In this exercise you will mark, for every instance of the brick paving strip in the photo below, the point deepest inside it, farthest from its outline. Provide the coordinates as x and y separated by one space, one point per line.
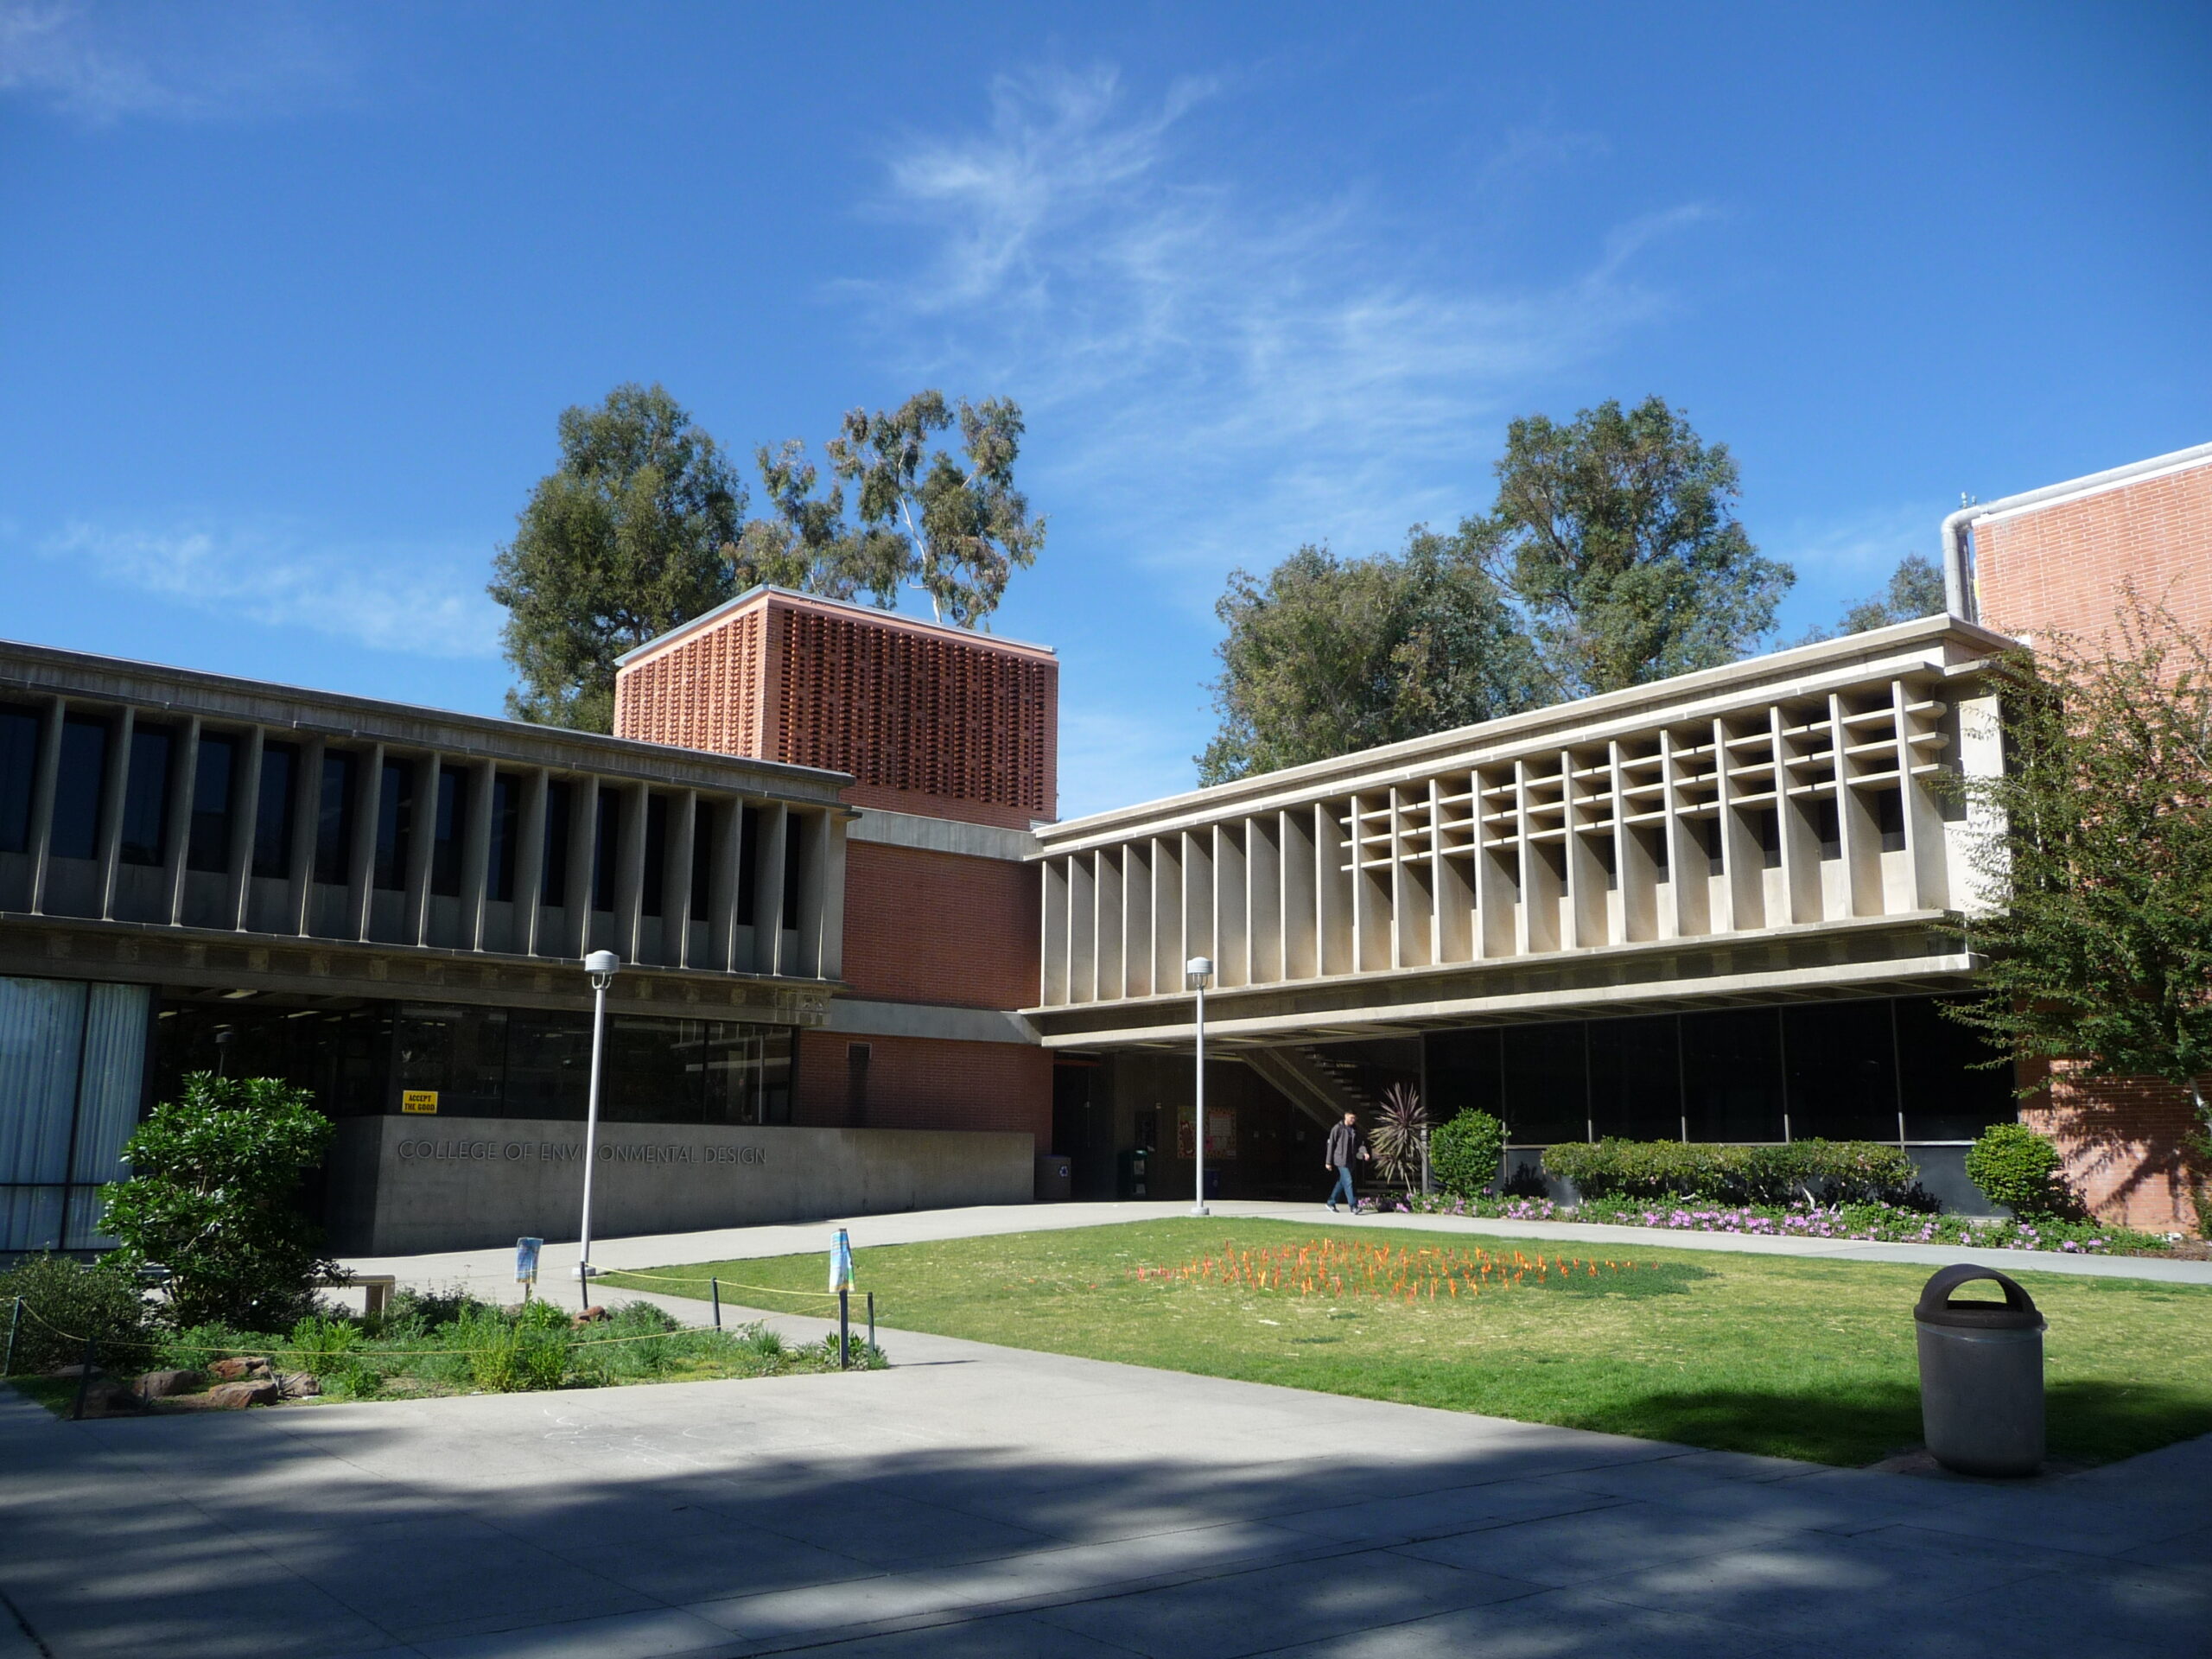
978 1500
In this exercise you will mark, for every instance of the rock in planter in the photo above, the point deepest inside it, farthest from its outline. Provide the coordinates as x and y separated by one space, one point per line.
254 1391
298 1385
108 1398
160 1385
230 1371
590 1316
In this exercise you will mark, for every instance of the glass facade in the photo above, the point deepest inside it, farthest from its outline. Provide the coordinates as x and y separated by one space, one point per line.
1874 1069
357 1058
73 1061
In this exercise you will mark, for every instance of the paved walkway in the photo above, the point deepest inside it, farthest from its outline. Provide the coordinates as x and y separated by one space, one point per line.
982 1501
491 1273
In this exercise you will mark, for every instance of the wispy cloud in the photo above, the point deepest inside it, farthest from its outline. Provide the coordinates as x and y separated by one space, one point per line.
406 599
1842 561
1229 378
118 61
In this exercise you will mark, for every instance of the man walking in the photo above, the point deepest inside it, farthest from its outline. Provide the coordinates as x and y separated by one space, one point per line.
1345 1146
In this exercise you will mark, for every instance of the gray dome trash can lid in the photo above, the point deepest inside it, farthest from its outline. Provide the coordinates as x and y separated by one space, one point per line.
2017 1311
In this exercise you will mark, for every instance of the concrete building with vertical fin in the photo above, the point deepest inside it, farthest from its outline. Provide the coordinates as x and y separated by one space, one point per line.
866 968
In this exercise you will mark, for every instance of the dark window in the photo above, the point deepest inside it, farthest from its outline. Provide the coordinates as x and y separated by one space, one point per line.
395 823
748 878
1547 1085
18 777
1463 1074
792 840
656 855
605 849
506 827
77 788
450 832
1655 847
212 771
702 860
146 796
1732 1074
1889 820
334 825
1840 1060
1827 829
856 1059
273 809
1636 1089
1770 833
553 880
1949 1090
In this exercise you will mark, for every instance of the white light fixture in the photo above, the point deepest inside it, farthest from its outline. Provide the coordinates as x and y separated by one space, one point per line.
600 965
1196 973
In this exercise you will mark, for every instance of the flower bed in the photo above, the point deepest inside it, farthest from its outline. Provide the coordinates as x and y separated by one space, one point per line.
1881 1223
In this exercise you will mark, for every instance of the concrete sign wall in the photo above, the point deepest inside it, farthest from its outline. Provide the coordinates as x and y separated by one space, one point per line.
403 1185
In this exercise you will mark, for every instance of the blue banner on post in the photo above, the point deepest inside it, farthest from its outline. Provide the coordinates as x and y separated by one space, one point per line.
841 1263
526 1251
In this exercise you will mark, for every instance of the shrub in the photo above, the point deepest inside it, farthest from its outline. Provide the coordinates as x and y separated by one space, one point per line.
1465 1154
1822 1172
1399 1126
65 1301
215 1197
2021 1170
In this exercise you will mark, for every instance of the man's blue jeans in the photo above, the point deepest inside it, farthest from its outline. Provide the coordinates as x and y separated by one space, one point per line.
1343 1188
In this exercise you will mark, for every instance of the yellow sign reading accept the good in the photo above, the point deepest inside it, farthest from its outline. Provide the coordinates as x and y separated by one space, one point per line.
418 1100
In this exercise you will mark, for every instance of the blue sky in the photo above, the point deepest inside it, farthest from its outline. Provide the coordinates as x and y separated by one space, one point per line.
291 296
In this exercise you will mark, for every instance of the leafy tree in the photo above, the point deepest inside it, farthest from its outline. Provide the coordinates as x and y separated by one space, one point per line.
808 545
1617 535
1916 589
956 529
1330 655
634 533
66 1301
215 1197
2097 872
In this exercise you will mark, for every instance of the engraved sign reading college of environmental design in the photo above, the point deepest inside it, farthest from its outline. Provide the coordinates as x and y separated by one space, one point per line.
562 1151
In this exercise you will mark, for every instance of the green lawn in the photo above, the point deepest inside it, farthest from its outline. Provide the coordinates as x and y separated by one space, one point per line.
1794 1357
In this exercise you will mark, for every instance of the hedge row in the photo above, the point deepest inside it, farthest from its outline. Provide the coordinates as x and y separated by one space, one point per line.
1829 1171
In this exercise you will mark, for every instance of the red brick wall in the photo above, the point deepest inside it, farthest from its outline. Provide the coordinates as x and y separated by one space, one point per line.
928 719
2122 1138
2060 567
936 927
921 1084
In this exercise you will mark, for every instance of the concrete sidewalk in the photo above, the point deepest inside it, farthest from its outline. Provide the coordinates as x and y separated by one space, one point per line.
490 1273
980 1501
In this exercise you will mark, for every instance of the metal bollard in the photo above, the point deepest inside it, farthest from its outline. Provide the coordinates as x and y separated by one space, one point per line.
1982 1395
844 1329
717 1287
871 1319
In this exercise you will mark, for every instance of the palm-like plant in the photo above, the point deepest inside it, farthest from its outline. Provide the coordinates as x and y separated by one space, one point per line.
1400 1127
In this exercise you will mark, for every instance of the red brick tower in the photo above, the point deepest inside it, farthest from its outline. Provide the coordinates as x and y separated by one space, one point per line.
951 739
2055 559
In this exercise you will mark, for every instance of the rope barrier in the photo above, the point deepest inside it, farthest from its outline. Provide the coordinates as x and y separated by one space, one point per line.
710 1279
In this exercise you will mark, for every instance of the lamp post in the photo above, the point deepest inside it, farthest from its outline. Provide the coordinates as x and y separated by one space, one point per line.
600 965
1196 972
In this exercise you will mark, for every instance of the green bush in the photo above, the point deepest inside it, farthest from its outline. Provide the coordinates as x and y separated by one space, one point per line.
2021 1170
1827 1172
1465 1154
215 1197
64 1301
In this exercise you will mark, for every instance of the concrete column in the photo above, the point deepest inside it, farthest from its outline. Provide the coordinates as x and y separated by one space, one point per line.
475 853
1083 925
732 858
114 782
1800 848
630 876
1337 941
176 834
583 835
530 860
1052 934
830 962
245 811
675 886
307 820
813 888
361 864
422 839
50 770
1856 825
1925 842
1300 896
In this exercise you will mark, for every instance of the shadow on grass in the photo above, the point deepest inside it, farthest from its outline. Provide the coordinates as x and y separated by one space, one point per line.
1861 1423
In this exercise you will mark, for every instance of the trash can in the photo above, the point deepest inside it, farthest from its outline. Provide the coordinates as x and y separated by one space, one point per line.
1055 1178
1981 1375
